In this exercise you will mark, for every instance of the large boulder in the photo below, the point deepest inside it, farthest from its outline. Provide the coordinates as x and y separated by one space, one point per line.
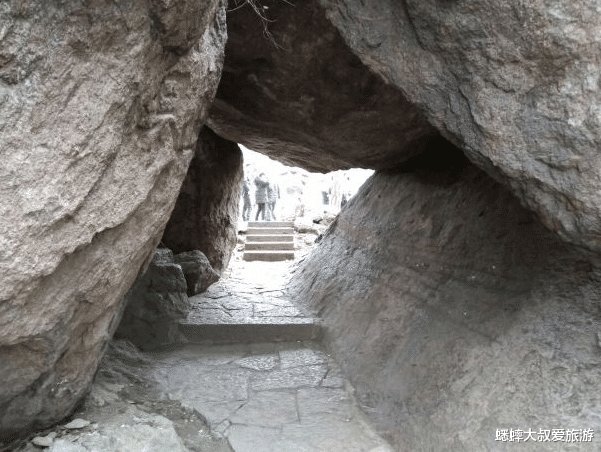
291 88
454 311
101 108
206 212
515 85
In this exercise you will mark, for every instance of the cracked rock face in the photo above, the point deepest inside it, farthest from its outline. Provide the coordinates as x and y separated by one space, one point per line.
205 217
301 96
460 313
516 86
100 111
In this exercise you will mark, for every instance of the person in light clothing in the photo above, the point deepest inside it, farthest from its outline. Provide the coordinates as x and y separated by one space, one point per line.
273 194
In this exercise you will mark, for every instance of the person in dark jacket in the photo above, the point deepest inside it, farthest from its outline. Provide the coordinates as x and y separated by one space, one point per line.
247 207
273 194
261 198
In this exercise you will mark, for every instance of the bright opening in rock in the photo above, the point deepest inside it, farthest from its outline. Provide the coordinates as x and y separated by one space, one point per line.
452 304
302 195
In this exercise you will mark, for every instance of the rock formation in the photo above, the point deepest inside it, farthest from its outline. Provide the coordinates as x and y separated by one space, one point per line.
516 86
101 109
296 92
454 311
155 303
197 270
206 213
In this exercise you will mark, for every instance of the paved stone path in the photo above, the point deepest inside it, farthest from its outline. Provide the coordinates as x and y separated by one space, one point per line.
268 397
248 304
276 396
250 396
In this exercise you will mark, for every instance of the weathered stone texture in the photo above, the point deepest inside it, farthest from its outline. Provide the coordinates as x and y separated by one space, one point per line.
301 96
155 304
101 105
198 271
514 84
454 311
206 213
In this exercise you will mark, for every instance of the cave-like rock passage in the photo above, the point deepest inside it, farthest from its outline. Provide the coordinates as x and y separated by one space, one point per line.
452 309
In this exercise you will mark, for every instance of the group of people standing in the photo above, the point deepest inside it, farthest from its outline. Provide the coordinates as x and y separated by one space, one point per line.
266 195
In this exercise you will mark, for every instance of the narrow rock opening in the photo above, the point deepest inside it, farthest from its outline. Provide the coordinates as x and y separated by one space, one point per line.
240 351
456 296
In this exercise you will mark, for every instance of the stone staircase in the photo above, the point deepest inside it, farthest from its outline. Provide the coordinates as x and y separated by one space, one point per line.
269 241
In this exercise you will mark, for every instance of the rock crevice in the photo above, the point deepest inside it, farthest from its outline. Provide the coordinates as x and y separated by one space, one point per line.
205 216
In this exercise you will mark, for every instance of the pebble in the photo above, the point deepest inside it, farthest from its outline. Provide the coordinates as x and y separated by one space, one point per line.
77 424
43 441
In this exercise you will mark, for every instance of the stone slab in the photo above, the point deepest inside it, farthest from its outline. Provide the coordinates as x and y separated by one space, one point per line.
283 406
268 256
268 329
268 246
270 224
296 377
255 237
270 230
268 409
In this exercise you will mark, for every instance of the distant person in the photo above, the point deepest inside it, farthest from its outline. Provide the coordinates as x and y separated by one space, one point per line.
273 194
261 198
343 201
247 208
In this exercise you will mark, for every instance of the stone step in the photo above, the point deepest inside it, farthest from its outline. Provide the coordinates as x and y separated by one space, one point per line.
270 238
268 231
271 224
268 256
266 246
276 329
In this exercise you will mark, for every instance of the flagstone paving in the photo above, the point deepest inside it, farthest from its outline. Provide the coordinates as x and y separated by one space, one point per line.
267 397
284 395
248 305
